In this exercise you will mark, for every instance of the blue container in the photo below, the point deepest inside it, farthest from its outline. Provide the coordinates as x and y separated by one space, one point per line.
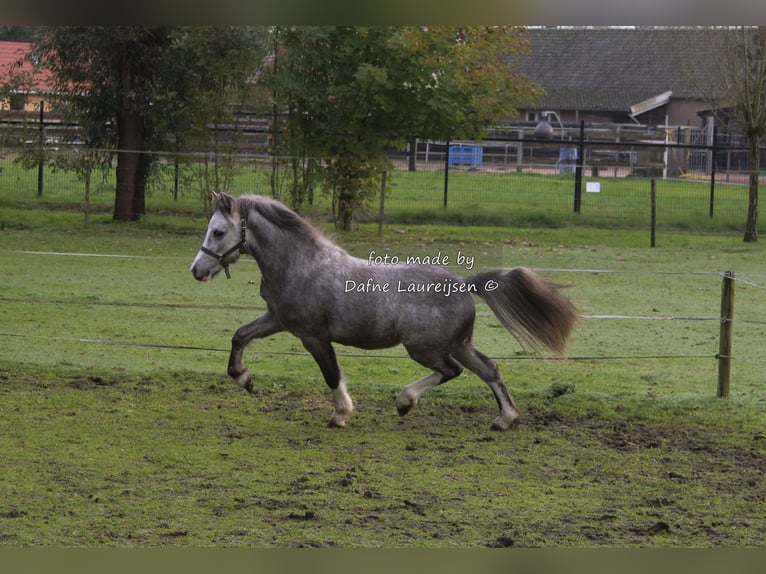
567 159
471 155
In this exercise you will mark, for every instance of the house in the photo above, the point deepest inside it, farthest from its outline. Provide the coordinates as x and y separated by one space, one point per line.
615 75
22 85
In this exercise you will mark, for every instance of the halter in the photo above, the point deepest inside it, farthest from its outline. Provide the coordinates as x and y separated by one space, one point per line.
241 246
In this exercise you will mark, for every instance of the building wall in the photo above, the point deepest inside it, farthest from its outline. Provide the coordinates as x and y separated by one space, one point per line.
686 113
678 112
25 102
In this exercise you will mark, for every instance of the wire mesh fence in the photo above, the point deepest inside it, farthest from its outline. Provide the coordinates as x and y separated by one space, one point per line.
502 182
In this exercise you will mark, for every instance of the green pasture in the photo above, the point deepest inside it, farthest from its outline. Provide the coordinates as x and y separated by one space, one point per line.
121 428
494 198
523 199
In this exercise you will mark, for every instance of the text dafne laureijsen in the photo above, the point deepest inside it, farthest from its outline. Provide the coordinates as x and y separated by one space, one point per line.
445 287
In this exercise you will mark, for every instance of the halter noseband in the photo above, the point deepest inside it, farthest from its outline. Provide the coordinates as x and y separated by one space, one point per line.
241 246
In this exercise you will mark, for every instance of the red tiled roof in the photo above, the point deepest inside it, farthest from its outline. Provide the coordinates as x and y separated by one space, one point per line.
13 62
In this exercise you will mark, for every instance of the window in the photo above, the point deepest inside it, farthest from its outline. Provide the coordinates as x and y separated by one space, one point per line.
17 102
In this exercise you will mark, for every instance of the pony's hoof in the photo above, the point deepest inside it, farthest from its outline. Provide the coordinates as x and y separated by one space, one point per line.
503 424
403 410
336 424
404 405
245 381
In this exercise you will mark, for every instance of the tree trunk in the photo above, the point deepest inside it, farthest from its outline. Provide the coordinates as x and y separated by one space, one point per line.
127 162
345 212
346 186
412 154
751 226
130 142
139 195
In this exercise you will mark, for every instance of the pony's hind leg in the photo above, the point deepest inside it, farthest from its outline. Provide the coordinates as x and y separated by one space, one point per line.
324 355
263 326
444 369
475 361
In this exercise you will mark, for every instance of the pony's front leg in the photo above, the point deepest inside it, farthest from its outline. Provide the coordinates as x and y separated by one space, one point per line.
262 327
324 355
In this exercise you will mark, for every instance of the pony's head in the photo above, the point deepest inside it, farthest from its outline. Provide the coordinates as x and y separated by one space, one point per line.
224 240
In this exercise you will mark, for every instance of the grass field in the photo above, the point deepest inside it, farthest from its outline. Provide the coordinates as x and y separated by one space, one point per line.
121 427
497 198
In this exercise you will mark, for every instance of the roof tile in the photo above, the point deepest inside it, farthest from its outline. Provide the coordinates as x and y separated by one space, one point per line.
611 69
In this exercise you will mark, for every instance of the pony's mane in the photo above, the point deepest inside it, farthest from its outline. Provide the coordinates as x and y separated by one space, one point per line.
283 218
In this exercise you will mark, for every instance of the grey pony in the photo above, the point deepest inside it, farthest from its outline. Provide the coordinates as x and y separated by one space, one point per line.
322 295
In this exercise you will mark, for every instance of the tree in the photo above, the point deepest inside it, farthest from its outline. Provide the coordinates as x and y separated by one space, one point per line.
347 91
17 33
745 86
134 87
735 85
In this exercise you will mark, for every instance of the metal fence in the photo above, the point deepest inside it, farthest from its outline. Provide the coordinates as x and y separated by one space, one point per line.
586 175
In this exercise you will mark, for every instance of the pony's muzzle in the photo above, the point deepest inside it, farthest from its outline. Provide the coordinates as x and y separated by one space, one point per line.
207 276
201 271
198 276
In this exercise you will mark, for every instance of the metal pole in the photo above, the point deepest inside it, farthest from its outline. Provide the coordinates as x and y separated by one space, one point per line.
578 168
446 172
712 171
654 212
41 143
382 201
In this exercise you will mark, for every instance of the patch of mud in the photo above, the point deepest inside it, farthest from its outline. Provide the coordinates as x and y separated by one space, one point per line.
688 459
90 383
634 437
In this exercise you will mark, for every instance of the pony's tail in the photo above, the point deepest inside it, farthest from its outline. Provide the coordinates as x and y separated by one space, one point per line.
531 308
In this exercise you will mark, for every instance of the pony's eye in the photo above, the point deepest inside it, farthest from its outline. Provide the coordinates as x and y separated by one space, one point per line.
217 233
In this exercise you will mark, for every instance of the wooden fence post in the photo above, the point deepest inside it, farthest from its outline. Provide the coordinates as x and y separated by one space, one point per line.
725 341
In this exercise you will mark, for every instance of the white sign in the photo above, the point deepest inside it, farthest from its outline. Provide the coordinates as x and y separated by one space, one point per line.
593 186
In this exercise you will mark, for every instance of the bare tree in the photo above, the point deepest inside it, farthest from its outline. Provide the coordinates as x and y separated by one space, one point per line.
735 86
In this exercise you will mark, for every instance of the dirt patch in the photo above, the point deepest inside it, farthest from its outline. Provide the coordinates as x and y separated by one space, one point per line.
90 383
694 468
631 437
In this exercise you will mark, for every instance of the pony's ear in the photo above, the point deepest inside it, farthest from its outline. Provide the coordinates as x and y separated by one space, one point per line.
225 202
